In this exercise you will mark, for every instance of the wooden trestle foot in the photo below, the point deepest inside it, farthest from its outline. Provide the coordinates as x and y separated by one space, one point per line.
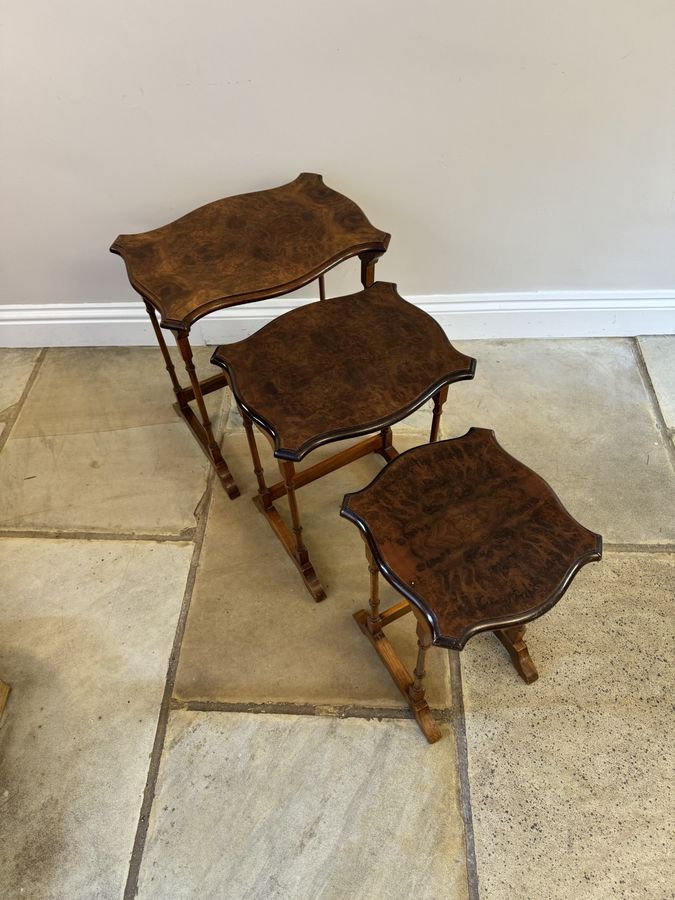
399 673
513 640
226 480
291 538
210 450
286 537
371 624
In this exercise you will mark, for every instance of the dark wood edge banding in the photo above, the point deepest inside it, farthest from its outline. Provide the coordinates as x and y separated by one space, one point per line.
498 622
328 437
340 434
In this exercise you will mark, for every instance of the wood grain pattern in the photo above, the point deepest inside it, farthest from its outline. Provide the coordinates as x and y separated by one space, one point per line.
472 537
340 368
248 247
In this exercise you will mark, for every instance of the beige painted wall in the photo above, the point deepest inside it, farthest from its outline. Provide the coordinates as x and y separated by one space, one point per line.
508 145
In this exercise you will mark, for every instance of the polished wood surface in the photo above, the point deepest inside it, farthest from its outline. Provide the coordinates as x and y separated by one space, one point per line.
329 370
248 247
472 537
340 368
238 250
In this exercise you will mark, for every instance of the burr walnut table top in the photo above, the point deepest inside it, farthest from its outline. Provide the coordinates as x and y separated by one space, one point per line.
340 368
245 248
470 536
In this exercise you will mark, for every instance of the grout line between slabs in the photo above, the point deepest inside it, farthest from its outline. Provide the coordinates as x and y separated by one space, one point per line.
339 711
189 534
131 887
609 547
18 407
463 769
185 536
658 413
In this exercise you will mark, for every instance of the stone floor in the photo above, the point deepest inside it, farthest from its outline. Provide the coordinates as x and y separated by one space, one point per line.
185 722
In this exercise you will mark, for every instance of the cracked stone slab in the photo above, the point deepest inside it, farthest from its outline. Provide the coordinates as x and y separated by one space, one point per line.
86 629
294 807
659 356
138 480
578 413
571 777
80 390
253 632
98 447
16 366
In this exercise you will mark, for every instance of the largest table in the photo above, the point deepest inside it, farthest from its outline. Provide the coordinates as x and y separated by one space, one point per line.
238 250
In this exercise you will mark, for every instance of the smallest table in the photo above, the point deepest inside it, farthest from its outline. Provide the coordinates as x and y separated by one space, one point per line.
474 541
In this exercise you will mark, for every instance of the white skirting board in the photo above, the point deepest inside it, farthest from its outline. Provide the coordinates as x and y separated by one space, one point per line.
542 314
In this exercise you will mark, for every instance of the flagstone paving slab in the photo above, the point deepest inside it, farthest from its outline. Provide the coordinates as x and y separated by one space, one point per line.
86 629
292 807
253 632
571 777
98 447
659 356
578 413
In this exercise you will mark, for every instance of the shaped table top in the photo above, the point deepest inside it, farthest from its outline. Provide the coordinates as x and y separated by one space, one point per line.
245 248
339 368
470 536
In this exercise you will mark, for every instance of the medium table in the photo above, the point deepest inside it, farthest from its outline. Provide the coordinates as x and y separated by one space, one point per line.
474 541
334 369
239 250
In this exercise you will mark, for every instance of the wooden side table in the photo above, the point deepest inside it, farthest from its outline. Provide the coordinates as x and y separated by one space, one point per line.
339 368
474 541
239 250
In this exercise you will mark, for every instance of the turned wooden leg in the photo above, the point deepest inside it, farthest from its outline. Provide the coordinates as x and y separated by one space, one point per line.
186 352
168 362
263 490
322 288
418 703
513 640
411 686
387 450
368 261
423 644
288 473
374 618
206 438
439 399
297 550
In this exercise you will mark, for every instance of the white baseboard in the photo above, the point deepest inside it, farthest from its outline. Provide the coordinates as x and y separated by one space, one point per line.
463 316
